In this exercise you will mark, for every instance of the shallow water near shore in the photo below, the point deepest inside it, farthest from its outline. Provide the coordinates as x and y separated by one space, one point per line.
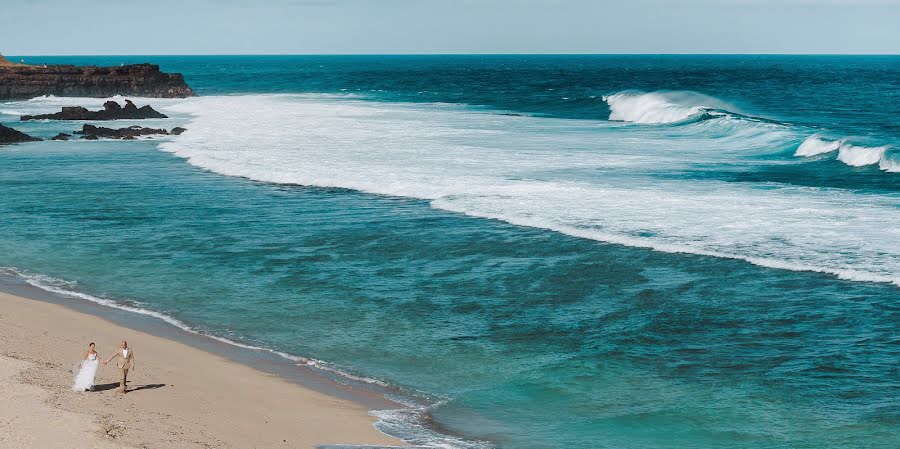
537 275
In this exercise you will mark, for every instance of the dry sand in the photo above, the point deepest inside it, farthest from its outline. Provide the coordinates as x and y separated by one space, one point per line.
182 397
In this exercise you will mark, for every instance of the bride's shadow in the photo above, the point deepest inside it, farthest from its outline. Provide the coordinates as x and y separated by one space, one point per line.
114 385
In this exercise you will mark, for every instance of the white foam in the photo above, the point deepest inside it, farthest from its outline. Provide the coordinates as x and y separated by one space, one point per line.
848 153
815 145
848 274
407 424
53 100
661 106
51 104
889 164
578 177
860 156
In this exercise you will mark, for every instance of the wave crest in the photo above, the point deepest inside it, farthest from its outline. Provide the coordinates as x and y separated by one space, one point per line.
461 163
848 153
860 156
889 164
661 107
815 145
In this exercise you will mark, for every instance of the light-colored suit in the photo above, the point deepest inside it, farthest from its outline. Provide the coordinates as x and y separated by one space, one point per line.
124 363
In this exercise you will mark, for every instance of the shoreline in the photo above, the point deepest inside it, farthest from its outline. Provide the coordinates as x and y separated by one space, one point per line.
307 373
188 387
469 245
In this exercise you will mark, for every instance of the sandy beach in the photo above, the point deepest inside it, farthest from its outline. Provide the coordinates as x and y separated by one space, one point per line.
180 396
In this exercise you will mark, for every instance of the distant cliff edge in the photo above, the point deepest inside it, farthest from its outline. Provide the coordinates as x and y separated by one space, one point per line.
20 81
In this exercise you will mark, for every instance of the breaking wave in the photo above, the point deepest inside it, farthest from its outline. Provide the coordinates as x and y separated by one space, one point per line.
519 170
890 164
848 153
860 156
663 107
815 145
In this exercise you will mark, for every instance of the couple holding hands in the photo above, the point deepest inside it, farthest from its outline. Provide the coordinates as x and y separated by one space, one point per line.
86 370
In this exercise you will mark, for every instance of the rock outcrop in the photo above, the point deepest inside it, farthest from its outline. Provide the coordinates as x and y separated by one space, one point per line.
9 135
111 111
92 132
21 81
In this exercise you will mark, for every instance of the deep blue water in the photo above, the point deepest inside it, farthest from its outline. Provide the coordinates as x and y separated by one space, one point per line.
550 251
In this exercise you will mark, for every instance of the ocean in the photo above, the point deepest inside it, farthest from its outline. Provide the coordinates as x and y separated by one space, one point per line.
529 251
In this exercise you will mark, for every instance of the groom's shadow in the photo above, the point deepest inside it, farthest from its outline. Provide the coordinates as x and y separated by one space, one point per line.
146 387
114 385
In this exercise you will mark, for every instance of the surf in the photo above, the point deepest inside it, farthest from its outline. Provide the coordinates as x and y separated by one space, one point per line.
850 154
665 107
518 170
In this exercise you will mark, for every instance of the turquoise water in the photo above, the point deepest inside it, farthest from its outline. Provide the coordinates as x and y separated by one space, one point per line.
478 233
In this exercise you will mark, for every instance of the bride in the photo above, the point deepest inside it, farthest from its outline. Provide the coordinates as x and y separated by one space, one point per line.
86 370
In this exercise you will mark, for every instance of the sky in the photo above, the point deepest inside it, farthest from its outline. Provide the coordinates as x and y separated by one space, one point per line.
159 27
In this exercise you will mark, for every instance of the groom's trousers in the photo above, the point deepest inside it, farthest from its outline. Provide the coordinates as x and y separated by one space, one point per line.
124 379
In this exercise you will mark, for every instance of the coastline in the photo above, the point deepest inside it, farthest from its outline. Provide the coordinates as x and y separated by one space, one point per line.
186 395
263 226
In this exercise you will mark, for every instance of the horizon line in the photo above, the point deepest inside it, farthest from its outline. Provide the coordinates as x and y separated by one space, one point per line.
449 54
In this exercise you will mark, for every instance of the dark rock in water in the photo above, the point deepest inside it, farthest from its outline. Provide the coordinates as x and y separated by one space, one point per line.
9 135
21 81
61 136
176 131
130 133
111 111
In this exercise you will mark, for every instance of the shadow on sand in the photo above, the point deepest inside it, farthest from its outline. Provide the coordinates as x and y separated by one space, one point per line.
114 385
104 387
146 387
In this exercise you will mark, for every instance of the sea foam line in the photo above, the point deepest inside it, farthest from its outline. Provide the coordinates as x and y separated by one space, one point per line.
455 160
64 288
846 274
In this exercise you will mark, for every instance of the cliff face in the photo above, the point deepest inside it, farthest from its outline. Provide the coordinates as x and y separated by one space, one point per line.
19 82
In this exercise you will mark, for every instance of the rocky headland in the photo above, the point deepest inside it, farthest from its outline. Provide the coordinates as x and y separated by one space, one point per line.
22 81
111 111
9 135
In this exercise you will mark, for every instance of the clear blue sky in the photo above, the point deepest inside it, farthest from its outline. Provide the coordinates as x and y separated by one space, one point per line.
50 27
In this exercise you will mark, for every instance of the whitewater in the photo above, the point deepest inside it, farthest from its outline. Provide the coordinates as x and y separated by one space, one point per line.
637 179
666 251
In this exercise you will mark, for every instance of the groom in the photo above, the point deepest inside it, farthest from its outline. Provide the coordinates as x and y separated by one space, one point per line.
125 363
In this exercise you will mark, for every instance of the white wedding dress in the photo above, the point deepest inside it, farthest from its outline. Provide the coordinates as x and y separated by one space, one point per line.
85 373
